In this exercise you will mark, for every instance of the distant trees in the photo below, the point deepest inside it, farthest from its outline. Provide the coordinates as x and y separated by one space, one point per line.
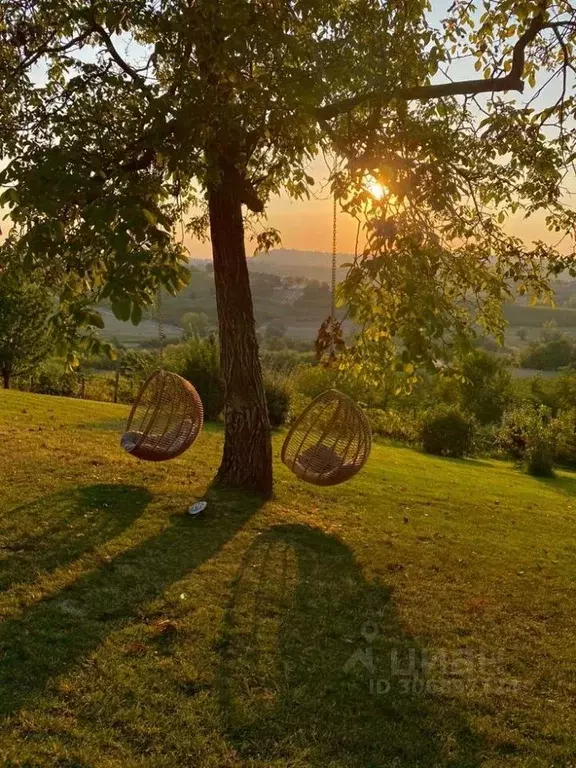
549 355
276 329
195 324
555 350
25 333
486 391
263 284
315 295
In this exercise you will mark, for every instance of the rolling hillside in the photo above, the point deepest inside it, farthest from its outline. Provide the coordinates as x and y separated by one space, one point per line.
421 615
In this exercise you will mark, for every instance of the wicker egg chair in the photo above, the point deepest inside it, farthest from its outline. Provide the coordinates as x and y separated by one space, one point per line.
165 420
330 442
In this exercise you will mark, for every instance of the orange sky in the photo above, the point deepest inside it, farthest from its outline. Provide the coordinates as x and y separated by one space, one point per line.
307 226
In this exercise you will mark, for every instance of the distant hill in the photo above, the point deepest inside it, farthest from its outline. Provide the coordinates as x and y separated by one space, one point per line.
287 262
313 265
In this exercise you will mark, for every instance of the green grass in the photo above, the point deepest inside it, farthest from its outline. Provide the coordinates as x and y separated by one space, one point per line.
133 635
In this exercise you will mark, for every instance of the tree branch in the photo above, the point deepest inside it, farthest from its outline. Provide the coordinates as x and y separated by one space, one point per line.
510 82
124 66
46 50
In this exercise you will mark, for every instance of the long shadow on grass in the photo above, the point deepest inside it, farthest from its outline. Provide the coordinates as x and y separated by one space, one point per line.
55 530
560 483
59 632
316 666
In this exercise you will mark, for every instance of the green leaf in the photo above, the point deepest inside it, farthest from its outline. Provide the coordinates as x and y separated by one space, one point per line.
122 309
150 217
95 319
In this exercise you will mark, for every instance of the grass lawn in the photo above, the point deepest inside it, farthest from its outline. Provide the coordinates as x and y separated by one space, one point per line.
421 615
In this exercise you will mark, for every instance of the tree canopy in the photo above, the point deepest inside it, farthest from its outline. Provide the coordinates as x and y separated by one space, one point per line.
25 334
120 117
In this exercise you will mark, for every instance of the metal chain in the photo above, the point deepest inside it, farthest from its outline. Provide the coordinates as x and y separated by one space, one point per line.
333 303
161 333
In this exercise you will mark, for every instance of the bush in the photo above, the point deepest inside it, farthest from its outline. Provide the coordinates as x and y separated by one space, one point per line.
486 441
487 389
311 380
402 427
277 389
448 432
528 435
513 434
549 355
283 361
198 361
564 428
137 364
53 378
558 393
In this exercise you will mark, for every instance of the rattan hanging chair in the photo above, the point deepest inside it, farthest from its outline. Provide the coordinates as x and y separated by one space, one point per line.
330 442
165 420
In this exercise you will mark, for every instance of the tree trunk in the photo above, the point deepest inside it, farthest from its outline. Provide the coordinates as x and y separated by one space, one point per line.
247 458
6 379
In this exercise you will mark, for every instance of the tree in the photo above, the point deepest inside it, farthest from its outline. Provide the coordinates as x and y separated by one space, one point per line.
276 329
195 324
25 333
486 391
219 105
549 355
263 285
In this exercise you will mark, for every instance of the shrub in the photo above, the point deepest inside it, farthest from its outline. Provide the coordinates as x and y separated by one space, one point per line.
101 387
513 434
528 435
402 427
564 428
311 380
198 361
448 432
137 364
486 441
549 355
53 378
284 361
277 389
558 393
487 389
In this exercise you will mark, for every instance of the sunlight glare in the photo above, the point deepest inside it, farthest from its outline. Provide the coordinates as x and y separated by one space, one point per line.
376 189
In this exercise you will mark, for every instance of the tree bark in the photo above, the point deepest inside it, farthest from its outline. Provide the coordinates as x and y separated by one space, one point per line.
247 458
6 379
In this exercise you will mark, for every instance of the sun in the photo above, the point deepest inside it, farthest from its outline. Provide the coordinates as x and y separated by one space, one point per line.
376 189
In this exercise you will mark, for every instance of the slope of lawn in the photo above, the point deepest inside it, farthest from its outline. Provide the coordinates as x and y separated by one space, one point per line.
421 615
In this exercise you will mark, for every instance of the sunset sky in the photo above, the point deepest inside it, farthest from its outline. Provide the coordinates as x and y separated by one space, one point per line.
306 225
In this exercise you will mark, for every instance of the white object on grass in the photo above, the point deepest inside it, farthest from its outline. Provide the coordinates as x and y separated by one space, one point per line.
195 509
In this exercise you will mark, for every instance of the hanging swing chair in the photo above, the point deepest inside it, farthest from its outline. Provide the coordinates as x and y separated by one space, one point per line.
166 417
330 442
165 420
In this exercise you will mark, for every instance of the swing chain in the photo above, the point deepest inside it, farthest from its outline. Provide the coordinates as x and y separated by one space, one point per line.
333 289
161 331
